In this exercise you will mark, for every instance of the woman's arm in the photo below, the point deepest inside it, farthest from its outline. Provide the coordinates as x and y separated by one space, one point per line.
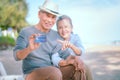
68 44
75 49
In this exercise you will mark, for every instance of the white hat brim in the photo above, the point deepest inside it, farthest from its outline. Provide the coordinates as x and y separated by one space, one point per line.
49 11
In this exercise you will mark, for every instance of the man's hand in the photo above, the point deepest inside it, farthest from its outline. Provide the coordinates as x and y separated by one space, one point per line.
22 54
32 44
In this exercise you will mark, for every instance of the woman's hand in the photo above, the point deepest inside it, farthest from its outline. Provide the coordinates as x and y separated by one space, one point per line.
65 44
80 64
70 60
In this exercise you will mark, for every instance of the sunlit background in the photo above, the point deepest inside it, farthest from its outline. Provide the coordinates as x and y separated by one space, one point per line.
96 21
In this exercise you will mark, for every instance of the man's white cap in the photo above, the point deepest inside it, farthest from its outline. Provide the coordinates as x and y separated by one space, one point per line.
50 7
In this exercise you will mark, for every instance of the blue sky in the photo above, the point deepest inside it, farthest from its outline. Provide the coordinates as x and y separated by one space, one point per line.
96 21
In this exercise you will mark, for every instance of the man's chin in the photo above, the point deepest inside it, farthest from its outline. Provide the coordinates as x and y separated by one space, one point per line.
48 28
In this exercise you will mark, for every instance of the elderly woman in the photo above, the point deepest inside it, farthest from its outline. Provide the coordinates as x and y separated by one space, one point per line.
72 42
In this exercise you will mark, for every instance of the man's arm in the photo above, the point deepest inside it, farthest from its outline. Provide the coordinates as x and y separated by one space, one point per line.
23 53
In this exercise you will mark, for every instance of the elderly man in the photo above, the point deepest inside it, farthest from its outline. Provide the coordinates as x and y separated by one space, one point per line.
37 63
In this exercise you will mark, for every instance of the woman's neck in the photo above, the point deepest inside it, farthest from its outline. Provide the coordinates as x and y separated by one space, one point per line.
67 38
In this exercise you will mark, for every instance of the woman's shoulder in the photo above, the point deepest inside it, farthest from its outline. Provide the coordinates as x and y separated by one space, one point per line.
74 36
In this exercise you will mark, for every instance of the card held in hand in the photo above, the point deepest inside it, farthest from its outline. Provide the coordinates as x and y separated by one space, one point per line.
41 38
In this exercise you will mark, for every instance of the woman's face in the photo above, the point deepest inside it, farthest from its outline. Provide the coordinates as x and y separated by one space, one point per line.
64 28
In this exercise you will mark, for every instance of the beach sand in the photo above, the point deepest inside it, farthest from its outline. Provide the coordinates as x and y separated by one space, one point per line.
102 59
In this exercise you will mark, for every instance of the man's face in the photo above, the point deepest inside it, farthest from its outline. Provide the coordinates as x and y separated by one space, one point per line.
64 28
47 20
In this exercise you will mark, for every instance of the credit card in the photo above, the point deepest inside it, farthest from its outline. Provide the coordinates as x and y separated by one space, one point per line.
41 38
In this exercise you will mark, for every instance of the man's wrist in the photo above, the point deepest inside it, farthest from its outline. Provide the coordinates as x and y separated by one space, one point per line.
29 49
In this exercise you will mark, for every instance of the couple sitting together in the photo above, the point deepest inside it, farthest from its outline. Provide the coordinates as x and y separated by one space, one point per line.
58 58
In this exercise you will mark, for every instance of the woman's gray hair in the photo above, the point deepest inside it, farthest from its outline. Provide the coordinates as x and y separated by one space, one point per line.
64 17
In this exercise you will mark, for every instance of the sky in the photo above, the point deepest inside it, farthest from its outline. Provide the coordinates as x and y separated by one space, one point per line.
95 21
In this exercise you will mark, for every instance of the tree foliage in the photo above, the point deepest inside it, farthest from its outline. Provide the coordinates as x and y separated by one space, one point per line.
13 13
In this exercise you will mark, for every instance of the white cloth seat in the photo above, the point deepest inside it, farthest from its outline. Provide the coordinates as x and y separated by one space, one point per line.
2 70
4 76
12 77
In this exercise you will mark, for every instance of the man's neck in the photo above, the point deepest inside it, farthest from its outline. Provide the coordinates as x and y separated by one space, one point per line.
40 28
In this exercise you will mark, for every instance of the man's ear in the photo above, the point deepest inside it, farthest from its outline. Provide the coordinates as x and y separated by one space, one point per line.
39 13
